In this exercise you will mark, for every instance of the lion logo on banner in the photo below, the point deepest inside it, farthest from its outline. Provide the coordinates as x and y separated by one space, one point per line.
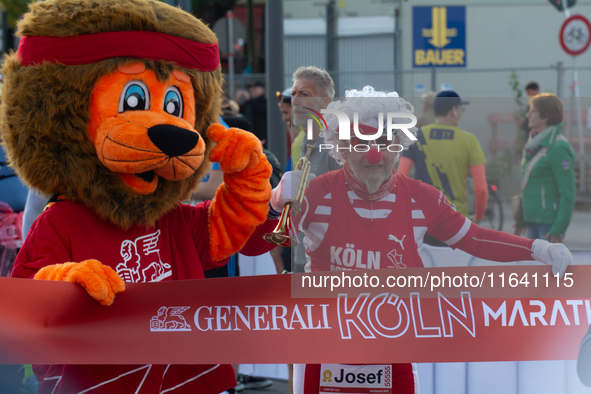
170 319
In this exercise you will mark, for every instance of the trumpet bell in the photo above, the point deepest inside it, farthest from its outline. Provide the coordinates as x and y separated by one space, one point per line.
279 239
280 235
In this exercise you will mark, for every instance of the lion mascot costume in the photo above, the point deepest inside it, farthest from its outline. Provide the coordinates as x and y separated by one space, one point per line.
111 106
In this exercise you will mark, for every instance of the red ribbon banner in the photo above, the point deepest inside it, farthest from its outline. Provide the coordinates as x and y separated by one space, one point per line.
219 321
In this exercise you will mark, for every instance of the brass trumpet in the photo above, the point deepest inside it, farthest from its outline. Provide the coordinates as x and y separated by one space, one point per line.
280 235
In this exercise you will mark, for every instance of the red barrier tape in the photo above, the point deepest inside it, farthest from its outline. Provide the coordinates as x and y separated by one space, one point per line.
255 320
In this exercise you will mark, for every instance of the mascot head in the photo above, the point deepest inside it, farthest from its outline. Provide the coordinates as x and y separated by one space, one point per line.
107 102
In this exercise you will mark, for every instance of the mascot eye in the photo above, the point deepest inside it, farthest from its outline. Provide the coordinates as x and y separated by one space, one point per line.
173 102
135 97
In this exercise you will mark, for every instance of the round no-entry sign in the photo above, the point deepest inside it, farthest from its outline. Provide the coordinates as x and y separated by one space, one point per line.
575 35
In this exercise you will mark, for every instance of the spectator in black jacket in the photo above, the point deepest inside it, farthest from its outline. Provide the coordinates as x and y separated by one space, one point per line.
255 111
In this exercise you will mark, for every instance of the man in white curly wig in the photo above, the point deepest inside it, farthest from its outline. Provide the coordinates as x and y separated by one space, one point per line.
370 161
365 216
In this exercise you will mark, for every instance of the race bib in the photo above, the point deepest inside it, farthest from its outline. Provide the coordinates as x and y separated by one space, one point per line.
355 379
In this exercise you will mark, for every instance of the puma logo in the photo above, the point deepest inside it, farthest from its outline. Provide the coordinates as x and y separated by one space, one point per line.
393 238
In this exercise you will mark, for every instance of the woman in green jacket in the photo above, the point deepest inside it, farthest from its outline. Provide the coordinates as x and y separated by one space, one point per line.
547 173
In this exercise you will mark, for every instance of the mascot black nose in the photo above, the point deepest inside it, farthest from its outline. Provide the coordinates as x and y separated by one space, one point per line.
173 140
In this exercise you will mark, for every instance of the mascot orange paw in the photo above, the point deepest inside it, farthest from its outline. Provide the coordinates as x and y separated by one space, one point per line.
236 149
244 196
100 281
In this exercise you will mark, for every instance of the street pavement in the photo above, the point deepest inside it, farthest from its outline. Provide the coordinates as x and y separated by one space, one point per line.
279 386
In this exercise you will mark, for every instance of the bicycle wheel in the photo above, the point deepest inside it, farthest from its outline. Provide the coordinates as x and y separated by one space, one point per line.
493 216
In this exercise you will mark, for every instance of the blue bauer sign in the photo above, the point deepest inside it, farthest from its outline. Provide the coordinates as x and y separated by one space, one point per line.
439 36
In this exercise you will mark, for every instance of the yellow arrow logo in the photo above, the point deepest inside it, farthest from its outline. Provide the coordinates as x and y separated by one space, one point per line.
439 32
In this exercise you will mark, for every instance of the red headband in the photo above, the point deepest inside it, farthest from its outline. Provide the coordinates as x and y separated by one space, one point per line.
91 48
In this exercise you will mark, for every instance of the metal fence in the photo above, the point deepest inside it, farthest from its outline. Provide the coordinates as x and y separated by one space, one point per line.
369 60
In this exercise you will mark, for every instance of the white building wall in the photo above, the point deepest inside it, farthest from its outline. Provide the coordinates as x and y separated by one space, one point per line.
499 35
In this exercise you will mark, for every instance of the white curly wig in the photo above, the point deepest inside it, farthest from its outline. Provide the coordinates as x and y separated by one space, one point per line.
368 103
